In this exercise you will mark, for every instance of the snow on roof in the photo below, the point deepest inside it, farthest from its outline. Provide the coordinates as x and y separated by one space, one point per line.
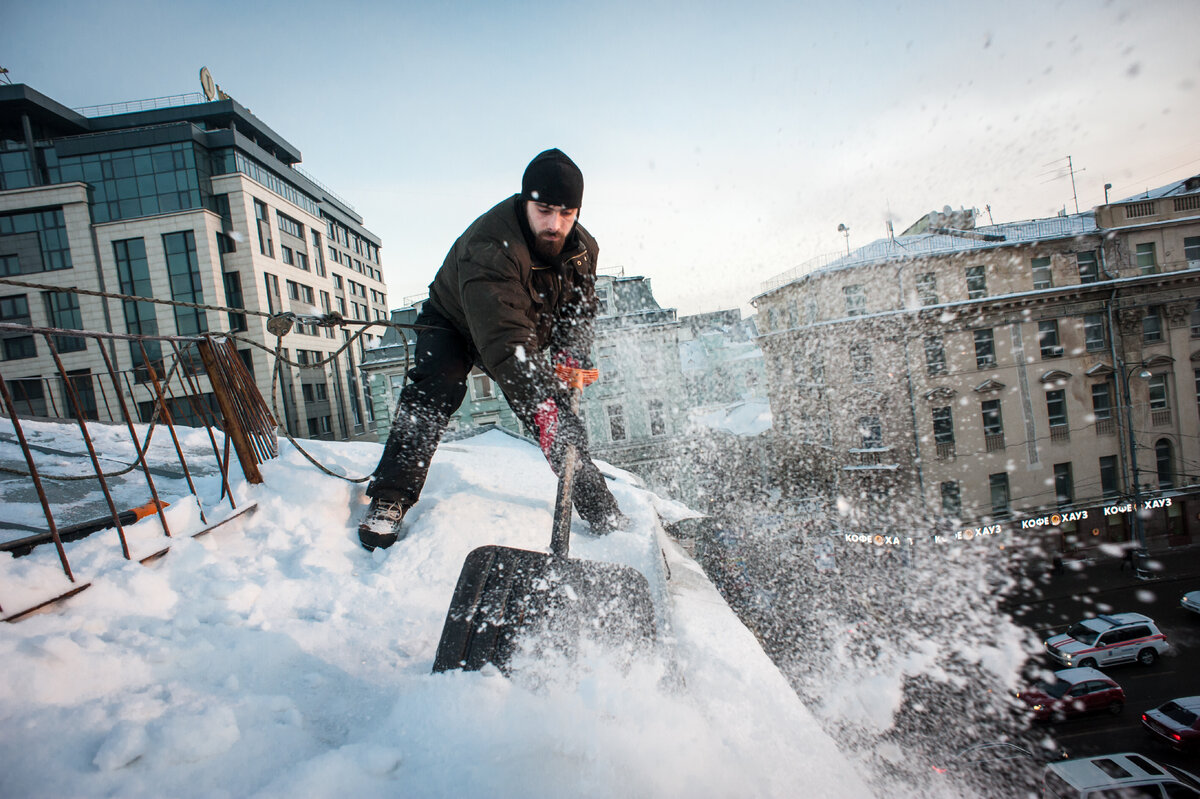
1179 188
923 244
275 657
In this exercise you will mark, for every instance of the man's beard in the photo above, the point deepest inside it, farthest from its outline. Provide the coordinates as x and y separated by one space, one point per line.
548 248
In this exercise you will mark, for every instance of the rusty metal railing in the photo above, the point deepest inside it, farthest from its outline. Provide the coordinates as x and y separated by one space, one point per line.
197 379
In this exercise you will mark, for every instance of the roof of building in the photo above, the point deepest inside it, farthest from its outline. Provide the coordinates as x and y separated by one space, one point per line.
1178 188
941 241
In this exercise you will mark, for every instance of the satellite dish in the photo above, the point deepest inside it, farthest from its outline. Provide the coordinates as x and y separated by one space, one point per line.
206 83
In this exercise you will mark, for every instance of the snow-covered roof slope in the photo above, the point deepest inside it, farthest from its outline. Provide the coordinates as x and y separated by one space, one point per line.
276 658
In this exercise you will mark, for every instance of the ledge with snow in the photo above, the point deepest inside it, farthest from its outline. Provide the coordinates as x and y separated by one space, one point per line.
277 658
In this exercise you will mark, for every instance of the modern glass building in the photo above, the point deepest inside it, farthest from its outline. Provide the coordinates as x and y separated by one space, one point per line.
184 199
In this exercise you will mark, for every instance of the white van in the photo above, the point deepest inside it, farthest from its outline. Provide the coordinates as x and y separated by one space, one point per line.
1111 776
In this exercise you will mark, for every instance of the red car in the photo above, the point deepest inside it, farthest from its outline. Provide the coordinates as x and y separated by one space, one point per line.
1176 723
1074 692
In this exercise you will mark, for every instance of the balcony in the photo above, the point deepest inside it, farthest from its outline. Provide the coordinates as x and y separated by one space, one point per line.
1160 417
994 441
1060 433
945 451
1106 427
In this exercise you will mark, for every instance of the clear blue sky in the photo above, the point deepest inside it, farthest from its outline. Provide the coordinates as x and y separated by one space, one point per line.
721 143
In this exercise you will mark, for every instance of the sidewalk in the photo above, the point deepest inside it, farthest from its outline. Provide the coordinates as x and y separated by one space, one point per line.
1177 567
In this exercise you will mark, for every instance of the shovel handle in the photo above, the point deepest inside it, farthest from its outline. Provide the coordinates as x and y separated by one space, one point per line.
561 535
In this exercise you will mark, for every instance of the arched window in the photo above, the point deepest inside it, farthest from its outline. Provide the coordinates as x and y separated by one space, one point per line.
1166 463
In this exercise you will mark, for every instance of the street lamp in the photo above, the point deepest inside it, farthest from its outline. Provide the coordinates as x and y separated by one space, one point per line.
1107 186
1140 554
845 231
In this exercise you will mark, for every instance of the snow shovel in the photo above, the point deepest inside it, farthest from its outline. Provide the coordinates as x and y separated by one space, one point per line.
506 595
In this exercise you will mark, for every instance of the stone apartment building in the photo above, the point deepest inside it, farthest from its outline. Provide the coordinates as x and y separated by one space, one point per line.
182 198
1041 376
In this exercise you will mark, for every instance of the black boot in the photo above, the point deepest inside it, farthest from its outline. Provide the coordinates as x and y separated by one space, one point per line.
381 526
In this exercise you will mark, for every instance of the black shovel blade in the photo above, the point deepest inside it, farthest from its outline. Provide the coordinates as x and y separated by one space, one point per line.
504 594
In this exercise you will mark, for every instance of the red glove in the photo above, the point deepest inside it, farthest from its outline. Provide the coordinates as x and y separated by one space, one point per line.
558 426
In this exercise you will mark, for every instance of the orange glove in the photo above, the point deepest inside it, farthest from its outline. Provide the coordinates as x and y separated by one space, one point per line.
574 376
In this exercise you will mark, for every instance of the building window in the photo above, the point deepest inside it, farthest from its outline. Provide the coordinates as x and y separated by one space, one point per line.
1152 327
234 299
133 274
1147 258
658 419
1056 412
951 498
993 425
935 356
1158 392
1195 321
607 362
1095 332
183 270
1102 407
1041 273
603 297
285 253
856 300
998 488
482 387
263 217
976 282
15 310
816 363
985 349
1064 484
1165 463
51 229
927 288
1191 251
290 226
943 425
1048 339
616 423
1089 267
318 254
62 309
871 431
29 395
1108 475
861 364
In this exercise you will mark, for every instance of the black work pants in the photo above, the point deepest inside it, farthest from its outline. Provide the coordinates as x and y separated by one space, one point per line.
437 384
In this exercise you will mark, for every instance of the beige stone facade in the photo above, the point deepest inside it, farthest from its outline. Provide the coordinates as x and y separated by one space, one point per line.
965 377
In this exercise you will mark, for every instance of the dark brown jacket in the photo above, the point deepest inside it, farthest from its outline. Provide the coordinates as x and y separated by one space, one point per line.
516 310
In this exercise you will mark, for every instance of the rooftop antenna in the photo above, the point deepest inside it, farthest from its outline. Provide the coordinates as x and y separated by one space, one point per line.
1071 171
4 78
989 210
1071 168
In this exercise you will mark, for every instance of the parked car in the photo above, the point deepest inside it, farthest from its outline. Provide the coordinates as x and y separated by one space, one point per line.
1176 723
1108 639
1074 692
1191 601
1126 774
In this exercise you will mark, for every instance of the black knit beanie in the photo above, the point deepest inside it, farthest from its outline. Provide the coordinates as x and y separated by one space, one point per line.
553 179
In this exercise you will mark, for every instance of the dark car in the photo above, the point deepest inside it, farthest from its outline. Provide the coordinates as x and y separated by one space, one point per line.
1073 692
1176 723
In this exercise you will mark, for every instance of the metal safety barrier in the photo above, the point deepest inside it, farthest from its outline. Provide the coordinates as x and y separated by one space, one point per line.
197 380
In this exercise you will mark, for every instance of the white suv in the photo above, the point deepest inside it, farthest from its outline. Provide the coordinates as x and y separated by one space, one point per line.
1108 639
1107 776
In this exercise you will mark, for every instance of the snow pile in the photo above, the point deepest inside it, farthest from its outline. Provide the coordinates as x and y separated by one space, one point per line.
275 657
